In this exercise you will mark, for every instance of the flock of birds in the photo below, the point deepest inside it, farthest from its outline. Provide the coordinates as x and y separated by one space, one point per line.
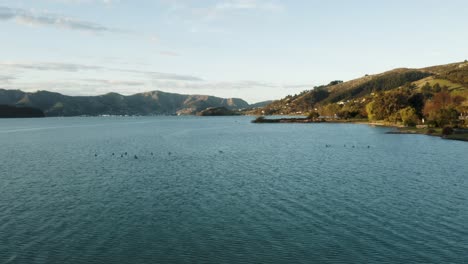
220 152
353 146
152 154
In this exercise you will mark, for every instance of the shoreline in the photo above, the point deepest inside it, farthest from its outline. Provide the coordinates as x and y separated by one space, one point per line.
398 128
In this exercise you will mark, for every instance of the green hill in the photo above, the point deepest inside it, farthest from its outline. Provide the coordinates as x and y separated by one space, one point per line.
353 96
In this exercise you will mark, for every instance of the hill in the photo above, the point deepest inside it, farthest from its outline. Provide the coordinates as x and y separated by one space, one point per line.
7 111
350 98
217 111
148 103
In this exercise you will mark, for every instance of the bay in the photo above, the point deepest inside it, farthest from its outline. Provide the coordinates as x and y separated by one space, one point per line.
224 190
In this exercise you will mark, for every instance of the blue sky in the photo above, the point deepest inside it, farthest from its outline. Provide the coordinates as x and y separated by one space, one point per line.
252 49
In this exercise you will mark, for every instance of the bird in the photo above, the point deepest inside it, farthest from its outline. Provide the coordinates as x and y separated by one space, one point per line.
95 155
368 146
151 153
221 151
113 154
121 155
125 153
135 157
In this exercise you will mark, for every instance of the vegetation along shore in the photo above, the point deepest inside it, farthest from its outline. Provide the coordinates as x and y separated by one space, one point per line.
431 101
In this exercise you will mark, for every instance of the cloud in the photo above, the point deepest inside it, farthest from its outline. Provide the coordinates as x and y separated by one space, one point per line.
170 76
28 17
210 85
193 13
106 2
297 86
48 66
114 82
6 78
248 4
169 53
71 67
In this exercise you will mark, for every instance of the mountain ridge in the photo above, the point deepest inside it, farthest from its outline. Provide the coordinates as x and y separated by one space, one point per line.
147 103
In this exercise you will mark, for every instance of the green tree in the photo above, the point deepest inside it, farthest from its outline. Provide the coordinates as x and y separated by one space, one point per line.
443 117
313 115
330 110
409 116
385 106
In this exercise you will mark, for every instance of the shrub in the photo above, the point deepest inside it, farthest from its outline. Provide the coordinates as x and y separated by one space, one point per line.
313 115
409 116
448 130
259 119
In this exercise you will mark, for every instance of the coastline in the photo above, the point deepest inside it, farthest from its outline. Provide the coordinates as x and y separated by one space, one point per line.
459 135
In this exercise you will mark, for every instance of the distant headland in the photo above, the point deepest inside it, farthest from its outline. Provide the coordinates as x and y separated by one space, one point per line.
7 111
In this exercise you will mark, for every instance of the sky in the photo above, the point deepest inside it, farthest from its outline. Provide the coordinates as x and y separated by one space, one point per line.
251 49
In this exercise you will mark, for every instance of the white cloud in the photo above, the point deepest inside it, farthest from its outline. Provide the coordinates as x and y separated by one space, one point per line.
169 53
6 79
107 2
36 18
226 8
248 4
115 82
71 67
48 66
196 15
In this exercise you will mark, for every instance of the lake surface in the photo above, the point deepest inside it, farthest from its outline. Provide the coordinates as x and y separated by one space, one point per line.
223 190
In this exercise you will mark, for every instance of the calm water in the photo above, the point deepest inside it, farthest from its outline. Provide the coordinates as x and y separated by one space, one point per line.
228 192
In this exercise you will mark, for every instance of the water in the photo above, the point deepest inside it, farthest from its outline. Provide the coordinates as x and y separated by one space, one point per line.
223 190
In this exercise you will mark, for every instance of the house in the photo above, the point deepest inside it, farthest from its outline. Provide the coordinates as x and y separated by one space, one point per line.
463 116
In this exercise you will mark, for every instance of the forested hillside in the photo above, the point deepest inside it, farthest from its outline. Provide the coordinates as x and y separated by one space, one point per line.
435 95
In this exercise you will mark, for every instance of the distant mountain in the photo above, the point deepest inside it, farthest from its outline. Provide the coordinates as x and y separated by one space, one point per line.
358 92
7 111
261 104
148 103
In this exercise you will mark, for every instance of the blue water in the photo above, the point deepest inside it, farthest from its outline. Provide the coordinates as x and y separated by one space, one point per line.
223 190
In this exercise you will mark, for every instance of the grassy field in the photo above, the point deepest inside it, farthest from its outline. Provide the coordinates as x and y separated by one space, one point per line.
432 81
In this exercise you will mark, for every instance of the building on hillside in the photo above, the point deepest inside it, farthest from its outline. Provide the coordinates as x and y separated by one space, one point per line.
463 116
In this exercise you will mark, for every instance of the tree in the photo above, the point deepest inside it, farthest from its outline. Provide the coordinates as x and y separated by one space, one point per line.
335 82
313 115
409 116
416 101
441 110
330 110
385 106
371 114
439 101
436 88
443 117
